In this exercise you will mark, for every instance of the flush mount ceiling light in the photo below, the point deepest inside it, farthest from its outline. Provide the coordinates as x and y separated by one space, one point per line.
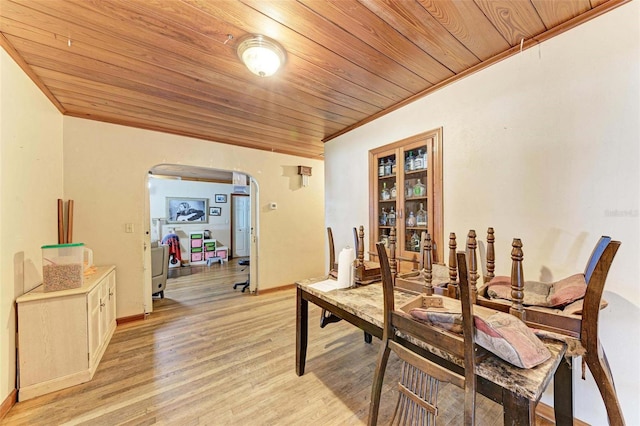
262 55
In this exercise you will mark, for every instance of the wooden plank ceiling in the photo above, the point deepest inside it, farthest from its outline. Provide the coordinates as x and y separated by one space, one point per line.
171 65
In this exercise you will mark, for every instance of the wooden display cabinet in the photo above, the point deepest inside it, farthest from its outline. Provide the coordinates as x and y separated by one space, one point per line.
405 176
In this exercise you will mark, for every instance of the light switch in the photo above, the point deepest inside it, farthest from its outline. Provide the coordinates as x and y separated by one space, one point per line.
128 228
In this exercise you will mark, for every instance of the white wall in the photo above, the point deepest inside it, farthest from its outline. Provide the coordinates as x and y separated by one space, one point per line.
219 226
106 168
543 146
30 184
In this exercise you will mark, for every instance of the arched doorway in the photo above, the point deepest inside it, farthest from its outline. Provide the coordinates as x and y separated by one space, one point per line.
212 188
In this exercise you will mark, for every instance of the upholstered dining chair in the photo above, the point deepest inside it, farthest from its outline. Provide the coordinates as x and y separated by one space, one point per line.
420 377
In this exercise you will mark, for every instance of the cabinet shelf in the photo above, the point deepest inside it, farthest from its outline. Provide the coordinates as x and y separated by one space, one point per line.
412 173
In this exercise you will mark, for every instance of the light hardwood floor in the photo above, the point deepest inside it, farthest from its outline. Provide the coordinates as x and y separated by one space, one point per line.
209 355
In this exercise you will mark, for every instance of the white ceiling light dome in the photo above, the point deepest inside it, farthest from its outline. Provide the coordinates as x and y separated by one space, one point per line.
261 55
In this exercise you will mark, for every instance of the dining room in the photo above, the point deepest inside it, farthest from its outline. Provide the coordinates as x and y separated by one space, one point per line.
537 139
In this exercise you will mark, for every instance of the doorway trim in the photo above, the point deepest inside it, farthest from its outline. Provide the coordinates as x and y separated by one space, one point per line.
194 173
254 190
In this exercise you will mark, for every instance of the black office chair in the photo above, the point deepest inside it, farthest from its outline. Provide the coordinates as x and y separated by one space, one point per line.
244 284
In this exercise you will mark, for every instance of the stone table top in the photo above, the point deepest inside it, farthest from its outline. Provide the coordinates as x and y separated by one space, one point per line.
366 302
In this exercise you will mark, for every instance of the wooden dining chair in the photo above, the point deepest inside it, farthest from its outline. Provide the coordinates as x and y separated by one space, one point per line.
583 327
333 264
420 377
596 273
327 317
365 271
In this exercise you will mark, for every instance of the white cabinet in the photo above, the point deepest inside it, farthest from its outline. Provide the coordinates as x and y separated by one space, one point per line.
62 335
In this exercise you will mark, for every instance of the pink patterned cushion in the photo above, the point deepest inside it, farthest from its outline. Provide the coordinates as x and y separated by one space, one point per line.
510 339
502 334
552 295
450 321
568 290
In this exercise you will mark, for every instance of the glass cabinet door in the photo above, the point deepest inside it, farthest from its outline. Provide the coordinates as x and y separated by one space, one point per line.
415 204
387 195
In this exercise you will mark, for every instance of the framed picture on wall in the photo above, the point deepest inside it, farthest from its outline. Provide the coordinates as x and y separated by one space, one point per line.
215 211
181 209
221 198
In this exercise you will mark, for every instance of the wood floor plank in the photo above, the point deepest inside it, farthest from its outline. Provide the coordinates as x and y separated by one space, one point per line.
212 355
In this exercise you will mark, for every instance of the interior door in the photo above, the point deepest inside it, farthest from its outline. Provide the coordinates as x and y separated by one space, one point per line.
241 225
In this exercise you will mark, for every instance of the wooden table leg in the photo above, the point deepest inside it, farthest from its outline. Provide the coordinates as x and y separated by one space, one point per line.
302 331
518 410
563 393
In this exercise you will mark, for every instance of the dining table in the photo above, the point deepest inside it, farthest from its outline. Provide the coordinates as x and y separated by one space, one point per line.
517 389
